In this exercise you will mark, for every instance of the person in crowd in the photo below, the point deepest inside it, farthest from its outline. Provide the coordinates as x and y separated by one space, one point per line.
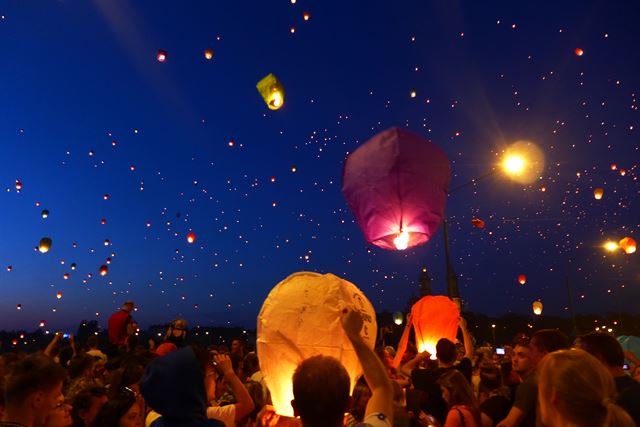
120 411
92 343
86 404
526 358
609 352
176 386
81 366
576 390
60 415
243 404
360 398
257 395
494 396
463 406
175 337
32 389
321 384
427 379
121 325
239 347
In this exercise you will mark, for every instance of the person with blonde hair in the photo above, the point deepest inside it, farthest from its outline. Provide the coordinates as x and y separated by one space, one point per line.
574 389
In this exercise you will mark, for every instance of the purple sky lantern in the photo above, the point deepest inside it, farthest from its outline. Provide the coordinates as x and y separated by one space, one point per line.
396 186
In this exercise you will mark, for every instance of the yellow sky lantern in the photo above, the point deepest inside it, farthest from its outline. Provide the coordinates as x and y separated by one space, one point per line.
272 91
45 245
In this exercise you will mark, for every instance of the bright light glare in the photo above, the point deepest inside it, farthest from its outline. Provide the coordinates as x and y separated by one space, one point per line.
514 164
611 246
402 240
276 99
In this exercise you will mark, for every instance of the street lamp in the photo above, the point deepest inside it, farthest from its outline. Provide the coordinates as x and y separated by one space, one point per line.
522 162
493 332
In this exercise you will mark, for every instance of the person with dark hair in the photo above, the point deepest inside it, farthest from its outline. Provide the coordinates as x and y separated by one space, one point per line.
321 384
92 343
360 398
86 404
120 411
176 337
81 366
239 347
525 361
609 352
462 403
32 389
494 396
576 390
257 395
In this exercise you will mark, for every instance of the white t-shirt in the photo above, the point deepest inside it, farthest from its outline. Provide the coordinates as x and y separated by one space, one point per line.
226 414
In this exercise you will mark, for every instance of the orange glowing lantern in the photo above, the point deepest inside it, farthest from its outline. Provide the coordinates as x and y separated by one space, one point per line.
18 185
208 54
45 214
18 306
65 276
103 221
579 52
522 279
614 167
107 242
42 324
161 56
59 295
104 270
432 318
598 193
628 245
45 245
306 16
477 223
288 324
537 308
191 237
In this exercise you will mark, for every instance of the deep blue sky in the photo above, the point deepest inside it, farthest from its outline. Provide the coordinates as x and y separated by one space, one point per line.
77 75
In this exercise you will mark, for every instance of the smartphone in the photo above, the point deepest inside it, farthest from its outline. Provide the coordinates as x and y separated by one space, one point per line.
499 350
65 336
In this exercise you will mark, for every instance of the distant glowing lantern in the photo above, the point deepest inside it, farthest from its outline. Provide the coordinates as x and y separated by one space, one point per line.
477 223
73 266
398 318
432 318
288 324
162 55
42 324
628 245
59 295
45 245
611 246
614 167
579 52
271 91
396 186
45 213
623 172
9 268
14 342
522 279
18 306
18 185
537 308
104 270
105 196
191 237
103 221
66 276
598 193
413 93
108 260
107 242
208 54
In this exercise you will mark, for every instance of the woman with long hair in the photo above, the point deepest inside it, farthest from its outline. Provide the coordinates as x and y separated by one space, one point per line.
464 410
574 389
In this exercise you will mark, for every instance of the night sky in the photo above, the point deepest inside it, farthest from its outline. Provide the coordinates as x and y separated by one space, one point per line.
188 145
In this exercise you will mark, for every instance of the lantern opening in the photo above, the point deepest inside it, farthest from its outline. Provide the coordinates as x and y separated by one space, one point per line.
402 240
276 100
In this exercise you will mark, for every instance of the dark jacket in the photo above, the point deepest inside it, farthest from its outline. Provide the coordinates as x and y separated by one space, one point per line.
173 386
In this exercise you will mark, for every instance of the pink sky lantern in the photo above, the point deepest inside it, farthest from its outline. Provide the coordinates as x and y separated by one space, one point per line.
396 186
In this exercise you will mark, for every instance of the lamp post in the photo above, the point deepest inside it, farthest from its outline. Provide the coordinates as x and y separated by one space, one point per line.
493 332
513 164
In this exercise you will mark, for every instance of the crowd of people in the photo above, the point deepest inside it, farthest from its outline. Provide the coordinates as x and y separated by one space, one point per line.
544 380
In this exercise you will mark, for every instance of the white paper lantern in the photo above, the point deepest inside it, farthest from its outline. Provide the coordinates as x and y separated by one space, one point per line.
300 318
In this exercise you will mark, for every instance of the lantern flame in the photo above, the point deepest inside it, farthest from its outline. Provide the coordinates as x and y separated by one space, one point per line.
276 100
402 240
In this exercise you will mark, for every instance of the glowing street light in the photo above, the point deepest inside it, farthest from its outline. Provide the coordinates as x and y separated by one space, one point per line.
611 246
514 164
